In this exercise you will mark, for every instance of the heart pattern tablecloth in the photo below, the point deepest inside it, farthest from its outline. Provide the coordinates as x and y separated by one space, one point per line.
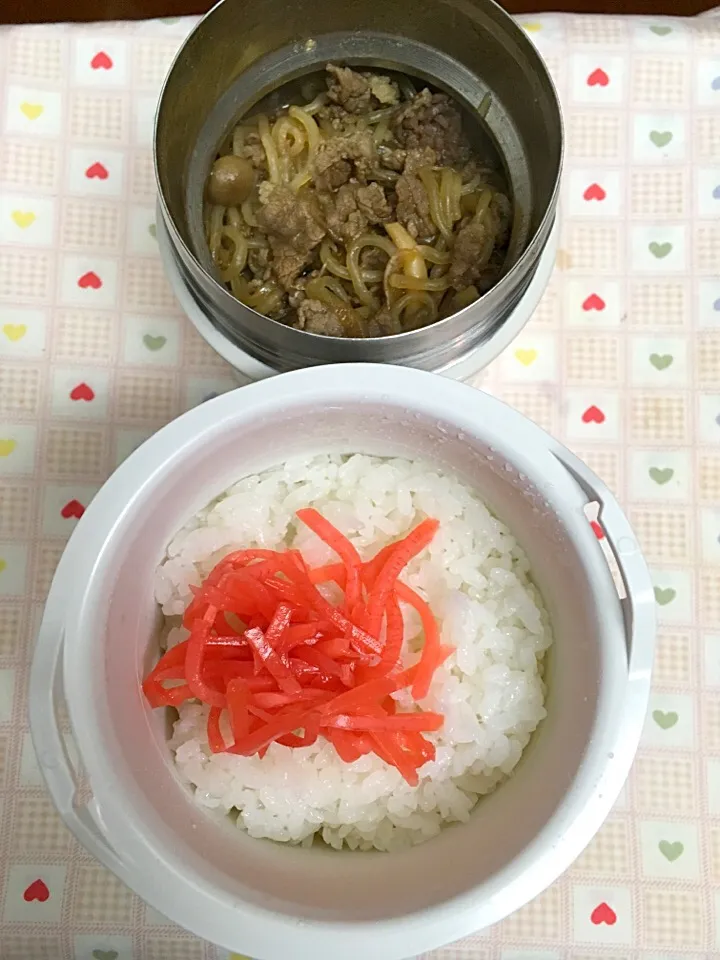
621 361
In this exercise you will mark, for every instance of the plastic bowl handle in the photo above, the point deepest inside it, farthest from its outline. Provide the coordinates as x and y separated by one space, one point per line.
50 748
639 603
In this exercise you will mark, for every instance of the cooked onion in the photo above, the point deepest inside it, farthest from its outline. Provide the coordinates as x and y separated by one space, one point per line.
214 229
433 255
427 178
237 260
271 154
463 298
248 213
418 306
324 290
401 281
267 299
353 264
286 128
311 128
331 262
319 101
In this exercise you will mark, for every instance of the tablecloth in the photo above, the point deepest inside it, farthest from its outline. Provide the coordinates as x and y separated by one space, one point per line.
621 361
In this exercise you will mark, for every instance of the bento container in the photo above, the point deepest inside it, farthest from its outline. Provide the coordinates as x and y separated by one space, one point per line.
123 799
243 50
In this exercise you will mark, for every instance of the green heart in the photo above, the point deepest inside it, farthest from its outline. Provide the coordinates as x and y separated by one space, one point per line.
152 230
661 138
154 343
105 954
671 851
661 361
661 475
664 595
665 720
661 31
659 250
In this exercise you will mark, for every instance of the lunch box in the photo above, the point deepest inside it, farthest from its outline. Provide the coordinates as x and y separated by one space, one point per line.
471 49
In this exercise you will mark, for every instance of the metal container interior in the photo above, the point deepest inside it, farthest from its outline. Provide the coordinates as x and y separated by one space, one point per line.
243 50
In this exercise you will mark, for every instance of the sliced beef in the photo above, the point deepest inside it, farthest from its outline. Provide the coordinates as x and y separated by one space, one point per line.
470 245
337 173
473 253
392 158
383 324
349 90
373 203
298 293
417 159
295 228
265 191
349 211
339 157
336 121
288 264
342 215
431 120
258 262
253 150
384 90
413 208
316 317
372 258
292 219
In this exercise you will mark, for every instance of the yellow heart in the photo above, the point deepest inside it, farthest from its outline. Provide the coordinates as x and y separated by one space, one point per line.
563 260
526 357
3 565
31 110
14 331
531 27
7 445
23 218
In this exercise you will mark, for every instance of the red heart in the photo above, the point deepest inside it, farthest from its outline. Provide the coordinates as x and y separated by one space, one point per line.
73 508
90 279
594 192
36 891
603 914
96 172
593 415
101 61
82 392
593 302
597 530
598 78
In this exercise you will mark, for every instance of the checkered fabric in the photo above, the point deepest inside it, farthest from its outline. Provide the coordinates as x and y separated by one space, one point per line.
621 361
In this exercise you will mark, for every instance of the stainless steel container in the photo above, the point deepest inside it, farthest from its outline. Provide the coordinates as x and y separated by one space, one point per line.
245 49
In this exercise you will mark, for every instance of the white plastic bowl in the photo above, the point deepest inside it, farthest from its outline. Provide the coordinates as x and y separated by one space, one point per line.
269 900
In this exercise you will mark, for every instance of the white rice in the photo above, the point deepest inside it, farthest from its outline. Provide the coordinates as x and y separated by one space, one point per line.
476 578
